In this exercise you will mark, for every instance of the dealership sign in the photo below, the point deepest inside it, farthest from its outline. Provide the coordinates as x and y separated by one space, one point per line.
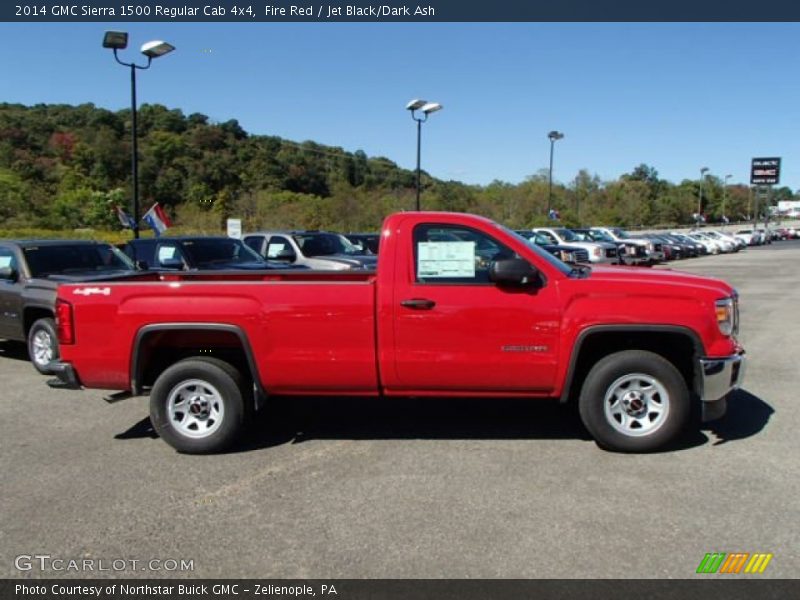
765 171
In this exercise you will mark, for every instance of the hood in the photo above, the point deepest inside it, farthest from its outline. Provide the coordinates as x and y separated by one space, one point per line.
591 245
637 276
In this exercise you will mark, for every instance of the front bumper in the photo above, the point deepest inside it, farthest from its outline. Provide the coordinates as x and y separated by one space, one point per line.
718 376
65 377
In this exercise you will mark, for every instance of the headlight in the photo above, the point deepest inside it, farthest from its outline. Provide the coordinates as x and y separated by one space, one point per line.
727 315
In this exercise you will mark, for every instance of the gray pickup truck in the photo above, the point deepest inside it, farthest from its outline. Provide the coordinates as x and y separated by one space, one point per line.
30 272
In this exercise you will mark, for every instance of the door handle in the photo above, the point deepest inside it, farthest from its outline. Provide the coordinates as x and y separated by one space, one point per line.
418 303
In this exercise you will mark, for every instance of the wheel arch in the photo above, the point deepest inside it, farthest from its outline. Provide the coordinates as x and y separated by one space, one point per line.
678 344
146 363
31 314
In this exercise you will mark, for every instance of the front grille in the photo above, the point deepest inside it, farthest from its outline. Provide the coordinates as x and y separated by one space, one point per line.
581 255
611 253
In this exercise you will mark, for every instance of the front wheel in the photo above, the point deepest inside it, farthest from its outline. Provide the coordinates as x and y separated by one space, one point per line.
634 401
198 405
43 344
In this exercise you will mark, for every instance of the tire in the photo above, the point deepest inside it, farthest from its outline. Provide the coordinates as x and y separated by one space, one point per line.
634 401
43 344
220 402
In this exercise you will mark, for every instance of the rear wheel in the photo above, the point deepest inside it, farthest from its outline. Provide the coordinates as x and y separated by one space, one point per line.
634 401
43 344
199 405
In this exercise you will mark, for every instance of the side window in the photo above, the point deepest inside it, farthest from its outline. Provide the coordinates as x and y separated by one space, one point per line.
169 256
279 248
551 239
452 254
7 259
254 243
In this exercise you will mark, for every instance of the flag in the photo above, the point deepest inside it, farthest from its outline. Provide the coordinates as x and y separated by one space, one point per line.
157 219
125 219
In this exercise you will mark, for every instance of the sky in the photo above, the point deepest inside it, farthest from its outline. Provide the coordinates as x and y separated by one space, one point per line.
676 96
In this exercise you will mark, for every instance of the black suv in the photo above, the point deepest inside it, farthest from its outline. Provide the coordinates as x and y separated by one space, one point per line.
196 253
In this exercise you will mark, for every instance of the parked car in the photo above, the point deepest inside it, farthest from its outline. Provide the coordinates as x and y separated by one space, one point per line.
30 272
638 351
748 236
727 241
672 249
367 242
628 252
599 252
312 249
712 246
567 254
688 248
196 253
697 248
653 250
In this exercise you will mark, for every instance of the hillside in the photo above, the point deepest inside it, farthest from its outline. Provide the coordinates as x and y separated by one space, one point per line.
66 167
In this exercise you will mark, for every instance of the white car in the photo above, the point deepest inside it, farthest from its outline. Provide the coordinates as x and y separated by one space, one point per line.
728 244
653 248
751 236
741 245
711 246
599 252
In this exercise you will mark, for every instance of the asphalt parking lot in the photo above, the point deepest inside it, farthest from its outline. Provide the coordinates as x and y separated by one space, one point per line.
328 488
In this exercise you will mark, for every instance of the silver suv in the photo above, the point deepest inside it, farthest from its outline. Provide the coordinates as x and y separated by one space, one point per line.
321 250
599 252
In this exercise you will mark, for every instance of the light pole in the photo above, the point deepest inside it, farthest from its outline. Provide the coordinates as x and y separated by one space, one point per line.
426 108
703 172
725 197
553 136
118 40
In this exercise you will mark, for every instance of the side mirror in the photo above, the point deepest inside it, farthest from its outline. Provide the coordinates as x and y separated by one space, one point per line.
513 271
9 274
142 265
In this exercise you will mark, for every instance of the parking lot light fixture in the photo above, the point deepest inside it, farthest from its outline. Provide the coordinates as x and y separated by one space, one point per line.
703 172
553 136
118 40
426 108
156 49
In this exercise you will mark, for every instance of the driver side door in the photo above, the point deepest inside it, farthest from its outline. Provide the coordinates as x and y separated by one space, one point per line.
11 297
456 330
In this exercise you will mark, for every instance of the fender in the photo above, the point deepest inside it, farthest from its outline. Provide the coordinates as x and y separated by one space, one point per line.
224 327
627 328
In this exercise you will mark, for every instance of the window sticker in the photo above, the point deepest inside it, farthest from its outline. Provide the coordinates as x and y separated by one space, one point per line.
445 259
5 261
167 253
275 249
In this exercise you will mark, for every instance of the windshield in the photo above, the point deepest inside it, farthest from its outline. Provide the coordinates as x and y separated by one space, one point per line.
594 236
621 233
566 234
211 251
63 259
324 244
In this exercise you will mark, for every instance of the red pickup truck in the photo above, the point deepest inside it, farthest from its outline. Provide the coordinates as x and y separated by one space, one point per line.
458 306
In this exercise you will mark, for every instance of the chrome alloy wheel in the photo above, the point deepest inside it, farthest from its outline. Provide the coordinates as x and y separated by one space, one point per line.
636 404
42 346
195 408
